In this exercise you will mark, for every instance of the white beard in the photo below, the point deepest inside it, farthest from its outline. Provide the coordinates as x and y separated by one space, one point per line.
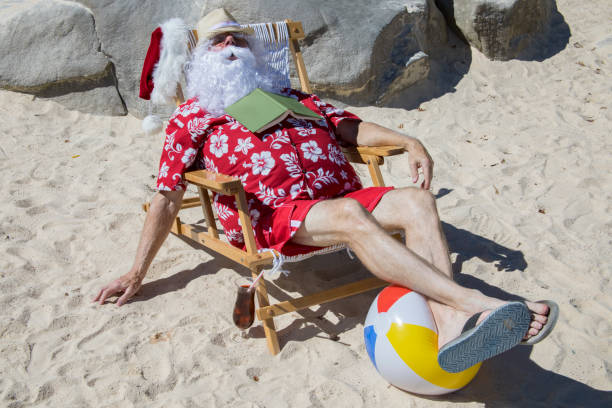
218 82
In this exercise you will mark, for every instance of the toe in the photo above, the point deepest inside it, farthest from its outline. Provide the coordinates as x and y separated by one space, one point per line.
540 318
538 308
536 325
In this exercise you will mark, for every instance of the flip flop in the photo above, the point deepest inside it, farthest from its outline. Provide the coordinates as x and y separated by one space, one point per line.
500 331
553 315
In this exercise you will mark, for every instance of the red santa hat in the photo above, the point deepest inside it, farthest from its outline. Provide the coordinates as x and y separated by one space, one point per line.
163 67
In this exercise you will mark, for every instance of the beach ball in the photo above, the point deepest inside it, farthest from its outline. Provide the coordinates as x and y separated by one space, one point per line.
402 341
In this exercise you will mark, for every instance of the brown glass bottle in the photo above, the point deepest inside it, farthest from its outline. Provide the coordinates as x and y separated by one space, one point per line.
244 309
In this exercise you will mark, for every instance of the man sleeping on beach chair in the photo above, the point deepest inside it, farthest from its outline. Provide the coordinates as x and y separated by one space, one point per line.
302 195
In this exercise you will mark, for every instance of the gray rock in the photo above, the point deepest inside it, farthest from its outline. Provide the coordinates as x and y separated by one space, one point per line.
124 28
50 49
500 29
357 52
99 100
354 53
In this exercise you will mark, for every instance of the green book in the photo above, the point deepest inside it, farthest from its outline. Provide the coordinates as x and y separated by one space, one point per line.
261 110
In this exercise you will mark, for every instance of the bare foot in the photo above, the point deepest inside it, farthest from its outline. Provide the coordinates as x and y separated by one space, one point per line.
539 317
450 321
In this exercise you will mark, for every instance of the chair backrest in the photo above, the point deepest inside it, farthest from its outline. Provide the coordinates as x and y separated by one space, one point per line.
280 39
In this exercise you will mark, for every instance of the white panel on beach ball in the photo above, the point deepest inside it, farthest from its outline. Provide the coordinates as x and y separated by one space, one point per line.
402 341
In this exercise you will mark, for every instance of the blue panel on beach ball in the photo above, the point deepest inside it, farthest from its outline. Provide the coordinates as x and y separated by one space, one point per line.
370 341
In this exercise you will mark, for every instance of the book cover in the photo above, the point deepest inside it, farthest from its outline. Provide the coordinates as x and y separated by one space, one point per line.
260 110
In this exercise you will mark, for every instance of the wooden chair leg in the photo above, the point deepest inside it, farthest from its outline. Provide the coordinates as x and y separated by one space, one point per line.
268 324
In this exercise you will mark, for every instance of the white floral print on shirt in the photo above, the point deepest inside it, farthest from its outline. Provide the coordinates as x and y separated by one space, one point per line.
312 151
262 163
218 144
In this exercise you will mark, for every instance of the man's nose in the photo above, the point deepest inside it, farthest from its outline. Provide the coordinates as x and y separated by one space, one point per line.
229 40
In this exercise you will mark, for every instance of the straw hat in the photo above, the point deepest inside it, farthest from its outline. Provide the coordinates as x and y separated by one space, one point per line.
219 21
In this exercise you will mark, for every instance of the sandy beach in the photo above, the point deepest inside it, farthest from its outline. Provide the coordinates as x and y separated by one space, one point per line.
523 180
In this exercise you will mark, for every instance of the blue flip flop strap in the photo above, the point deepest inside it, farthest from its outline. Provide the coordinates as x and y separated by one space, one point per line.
471 322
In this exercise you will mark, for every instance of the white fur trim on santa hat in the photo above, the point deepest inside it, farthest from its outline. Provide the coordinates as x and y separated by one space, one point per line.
152 124
173 56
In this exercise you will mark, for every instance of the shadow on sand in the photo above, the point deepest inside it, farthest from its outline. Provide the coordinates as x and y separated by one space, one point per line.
510 379
448 66
551 42
451 63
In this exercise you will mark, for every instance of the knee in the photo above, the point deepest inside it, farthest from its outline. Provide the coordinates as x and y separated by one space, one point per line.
421 202
351 217
426 199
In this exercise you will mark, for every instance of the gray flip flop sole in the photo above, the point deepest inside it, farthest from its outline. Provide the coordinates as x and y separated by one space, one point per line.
553 316
500 331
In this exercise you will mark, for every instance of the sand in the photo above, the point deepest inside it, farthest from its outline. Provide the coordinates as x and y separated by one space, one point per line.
523 179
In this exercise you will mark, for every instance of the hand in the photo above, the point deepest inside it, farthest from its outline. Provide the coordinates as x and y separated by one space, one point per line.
419 158
128 284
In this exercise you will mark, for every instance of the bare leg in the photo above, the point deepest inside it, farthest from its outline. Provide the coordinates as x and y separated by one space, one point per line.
414 211
416 214
345 220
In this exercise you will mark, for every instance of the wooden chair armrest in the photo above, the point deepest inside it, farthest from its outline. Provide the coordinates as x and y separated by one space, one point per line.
376 150
224 184
366 154
215 181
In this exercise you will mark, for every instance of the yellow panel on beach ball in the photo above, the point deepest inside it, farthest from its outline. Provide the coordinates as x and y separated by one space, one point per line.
402 341
417 346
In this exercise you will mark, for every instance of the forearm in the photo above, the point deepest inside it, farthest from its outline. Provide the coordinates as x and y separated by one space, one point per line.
371 134
162 212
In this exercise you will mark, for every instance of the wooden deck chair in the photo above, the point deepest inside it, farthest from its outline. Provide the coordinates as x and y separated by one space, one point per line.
290 32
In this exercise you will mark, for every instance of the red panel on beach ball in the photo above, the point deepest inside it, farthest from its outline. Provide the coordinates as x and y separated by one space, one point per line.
389 295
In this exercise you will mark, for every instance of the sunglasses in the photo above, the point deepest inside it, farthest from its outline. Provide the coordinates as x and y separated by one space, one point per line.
239 40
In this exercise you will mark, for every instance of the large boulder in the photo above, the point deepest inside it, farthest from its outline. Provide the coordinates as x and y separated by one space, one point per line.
359 52
500 29
124 28
49 48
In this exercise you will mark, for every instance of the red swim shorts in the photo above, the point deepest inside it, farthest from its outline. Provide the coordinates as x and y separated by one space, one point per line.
287 219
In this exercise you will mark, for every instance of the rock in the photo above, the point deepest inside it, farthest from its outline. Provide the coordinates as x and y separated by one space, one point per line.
124 28
50 49
500 29
357 52
358 55
100 100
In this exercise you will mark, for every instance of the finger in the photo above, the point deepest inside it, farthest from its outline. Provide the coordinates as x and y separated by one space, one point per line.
126 296
414 171
123 299
427 174
98 296
106 294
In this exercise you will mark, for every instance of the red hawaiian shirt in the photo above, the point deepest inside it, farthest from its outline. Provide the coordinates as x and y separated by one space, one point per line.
292 161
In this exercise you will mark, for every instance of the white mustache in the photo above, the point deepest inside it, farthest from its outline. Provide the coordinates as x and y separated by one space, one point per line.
240 53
